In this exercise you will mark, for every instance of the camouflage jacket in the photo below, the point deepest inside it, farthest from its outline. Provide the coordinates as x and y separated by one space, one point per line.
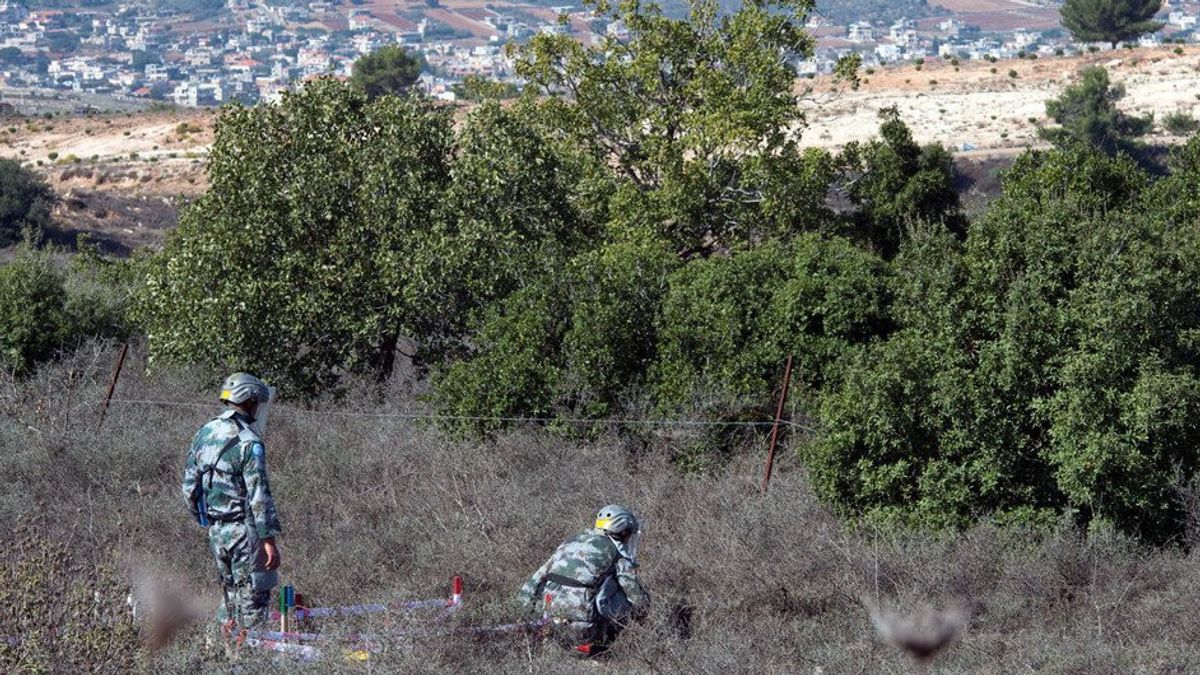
565 586
226 476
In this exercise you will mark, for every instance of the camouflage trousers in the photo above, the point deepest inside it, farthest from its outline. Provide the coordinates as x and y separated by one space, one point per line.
245 582
586 638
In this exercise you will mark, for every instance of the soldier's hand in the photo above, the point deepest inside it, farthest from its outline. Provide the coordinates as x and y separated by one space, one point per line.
272 553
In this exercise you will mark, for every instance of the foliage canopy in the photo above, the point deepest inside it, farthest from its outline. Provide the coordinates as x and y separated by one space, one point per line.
387 70
1111 21
25 201
1087 113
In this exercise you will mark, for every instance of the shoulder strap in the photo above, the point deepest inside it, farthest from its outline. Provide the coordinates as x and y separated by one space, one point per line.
209 469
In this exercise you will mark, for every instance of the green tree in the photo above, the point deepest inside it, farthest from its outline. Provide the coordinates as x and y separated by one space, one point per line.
12 55
388 70
571 343
25 201
697 116
895 183
307 256
1111 21
336 227
1046 363
1087 113
506 220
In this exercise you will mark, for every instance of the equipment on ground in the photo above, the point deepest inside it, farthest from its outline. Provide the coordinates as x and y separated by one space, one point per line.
308 645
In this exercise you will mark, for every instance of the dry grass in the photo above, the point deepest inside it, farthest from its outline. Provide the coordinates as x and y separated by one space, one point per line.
383 508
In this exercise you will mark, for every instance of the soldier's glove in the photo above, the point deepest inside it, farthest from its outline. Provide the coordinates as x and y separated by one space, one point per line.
272 553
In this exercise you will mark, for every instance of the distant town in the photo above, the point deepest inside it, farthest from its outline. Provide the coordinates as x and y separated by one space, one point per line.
206 53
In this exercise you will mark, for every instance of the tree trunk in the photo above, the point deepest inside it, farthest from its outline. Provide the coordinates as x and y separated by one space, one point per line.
385 357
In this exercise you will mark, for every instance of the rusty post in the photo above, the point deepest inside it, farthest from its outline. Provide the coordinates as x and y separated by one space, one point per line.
787 380
112 386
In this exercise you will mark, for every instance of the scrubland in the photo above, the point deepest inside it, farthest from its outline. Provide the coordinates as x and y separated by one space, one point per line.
377 506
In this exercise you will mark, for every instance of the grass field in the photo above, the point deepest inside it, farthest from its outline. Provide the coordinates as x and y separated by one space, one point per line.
377 508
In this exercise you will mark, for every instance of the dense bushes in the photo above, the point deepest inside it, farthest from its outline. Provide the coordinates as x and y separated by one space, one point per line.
25 201
728 323
44 309
574 343
1049 362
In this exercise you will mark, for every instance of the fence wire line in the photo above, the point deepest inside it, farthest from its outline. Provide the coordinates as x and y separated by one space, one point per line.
465 418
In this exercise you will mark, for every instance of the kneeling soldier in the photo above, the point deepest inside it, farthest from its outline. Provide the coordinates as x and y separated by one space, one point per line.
589 588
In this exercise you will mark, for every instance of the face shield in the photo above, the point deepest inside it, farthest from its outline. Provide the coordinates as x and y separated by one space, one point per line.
259 425
634 542
629 547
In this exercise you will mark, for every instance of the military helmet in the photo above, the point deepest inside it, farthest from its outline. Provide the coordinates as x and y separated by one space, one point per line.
616 520
242 387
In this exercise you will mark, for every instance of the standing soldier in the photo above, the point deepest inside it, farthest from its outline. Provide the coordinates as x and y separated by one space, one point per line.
589 588
225 486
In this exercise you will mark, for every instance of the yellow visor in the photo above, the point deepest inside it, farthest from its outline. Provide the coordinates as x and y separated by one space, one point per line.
603 523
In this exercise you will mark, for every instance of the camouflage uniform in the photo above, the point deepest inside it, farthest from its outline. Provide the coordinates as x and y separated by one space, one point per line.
589 589
225 486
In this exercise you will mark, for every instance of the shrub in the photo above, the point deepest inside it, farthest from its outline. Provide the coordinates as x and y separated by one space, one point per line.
25 201
67 607
52 156
1012 73
1180 123
728 324
44 309
1087 113
32 311
1087 411
572 344
896 182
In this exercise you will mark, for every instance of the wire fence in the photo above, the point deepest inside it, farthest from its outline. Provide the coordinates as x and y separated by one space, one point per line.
436 417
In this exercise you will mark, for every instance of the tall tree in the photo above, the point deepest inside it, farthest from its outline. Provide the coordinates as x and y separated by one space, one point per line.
303 259
698 116
389 70
1110 21
1087 113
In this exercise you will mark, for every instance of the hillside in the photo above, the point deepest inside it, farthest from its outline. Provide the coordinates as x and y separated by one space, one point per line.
972 108
134 170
